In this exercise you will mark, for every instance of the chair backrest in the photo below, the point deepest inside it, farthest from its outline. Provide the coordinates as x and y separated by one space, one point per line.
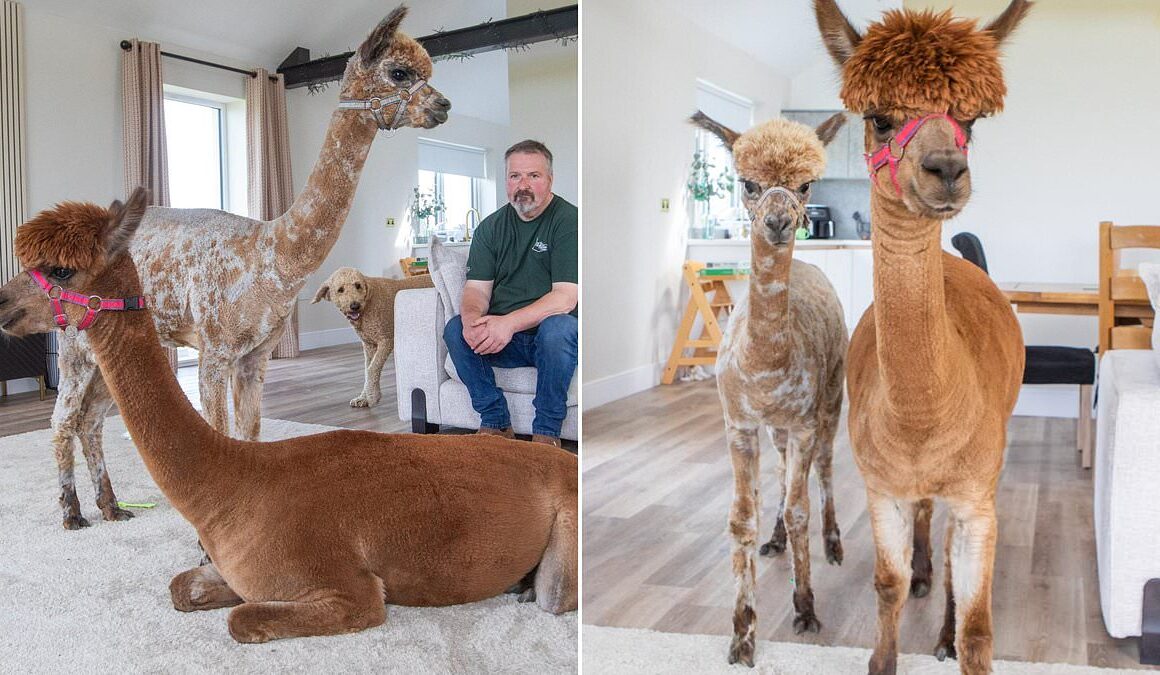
1125 311
969 246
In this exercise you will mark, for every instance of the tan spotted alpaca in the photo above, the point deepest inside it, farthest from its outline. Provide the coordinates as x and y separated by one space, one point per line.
780 365
935 364
310 535
224 284
369 304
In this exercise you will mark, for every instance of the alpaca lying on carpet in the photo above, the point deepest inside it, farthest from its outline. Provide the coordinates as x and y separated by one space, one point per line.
308 536
369 304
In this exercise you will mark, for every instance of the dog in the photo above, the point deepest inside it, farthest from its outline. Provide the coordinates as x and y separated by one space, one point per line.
369 304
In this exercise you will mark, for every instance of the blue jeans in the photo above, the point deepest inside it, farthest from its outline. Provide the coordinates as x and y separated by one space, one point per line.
552 349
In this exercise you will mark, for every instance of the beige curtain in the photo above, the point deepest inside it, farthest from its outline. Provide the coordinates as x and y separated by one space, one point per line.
13 161
143 126
268 155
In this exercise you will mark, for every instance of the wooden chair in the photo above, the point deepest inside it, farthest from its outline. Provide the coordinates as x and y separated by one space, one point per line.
1125 312
708 298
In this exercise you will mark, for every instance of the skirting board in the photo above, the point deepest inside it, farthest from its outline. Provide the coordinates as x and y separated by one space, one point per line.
326 338
1035 400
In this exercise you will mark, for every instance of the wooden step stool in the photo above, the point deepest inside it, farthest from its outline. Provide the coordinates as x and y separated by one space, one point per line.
708 298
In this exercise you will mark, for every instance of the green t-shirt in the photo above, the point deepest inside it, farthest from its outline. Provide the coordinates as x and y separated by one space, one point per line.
523 259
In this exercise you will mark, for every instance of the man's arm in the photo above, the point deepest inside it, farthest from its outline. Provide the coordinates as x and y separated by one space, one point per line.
500 328
473 304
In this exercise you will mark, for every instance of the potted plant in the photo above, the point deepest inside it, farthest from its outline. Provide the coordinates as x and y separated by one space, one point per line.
706 182
424 207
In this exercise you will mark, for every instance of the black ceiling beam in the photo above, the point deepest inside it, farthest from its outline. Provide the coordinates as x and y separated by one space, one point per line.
551 24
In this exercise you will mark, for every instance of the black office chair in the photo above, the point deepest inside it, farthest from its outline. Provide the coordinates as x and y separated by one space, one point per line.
1049 364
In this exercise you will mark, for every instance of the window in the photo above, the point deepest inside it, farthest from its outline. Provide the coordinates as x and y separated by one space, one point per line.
724 207
194 133
452 181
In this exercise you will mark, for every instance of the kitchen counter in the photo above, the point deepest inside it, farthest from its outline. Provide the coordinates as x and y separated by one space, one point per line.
737 250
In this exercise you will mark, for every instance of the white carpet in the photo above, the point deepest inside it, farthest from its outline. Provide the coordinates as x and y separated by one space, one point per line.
633 650
97 600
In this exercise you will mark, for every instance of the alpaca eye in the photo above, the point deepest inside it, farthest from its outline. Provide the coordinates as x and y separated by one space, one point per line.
62 273
358 287
805 188
752 189
398 75
881 124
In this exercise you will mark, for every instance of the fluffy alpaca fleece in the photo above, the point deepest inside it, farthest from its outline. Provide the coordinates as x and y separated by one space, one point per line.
70 232
369 304
912 63
780 152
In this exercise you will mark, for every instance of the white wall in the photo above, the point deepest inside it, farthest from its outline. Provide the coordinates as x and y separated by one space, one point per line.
640 66
545 106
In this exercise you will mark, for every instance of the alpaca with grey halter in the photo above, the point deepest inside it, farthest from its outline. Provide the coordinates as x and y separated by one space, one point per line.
376 104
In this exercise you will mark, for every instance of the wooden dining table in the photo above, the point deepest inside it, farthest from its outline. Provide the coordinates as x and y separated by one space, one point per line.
1044 298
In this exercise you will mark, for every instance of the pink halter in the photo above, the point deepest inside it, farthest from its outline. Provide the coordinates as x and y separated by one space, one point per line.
92 303
883 156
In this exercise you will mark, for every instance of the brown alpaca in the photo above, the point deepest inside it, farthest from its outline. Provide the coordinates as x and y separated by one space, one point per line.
780 365
225 284
935 364
310 535
369 304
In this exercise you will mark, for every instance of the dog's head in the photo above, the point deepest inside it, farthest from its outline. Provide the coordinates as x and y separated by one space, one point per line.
347 289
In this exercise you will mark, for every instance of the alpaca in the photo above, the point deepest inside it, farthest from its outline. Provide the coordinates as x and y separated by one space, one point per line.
308 536
369 304
780 365
225 284
936 362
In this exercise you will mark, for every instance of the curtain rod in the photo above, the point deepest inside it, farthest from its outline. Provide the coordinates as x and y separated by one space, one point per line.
126 45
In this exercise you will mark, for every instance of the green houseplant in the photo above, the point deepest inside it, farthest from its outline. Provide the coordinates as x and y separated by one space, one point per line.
706 182
424 207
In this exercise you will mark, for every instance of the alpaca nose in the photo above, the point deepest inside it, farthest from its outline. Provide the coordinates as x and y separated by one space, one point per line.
355 306
781 225
442 103
948 165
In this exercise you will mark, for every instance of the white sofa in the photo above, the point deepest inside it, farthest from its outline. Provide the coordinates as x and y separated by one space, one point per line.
424 373
1127 481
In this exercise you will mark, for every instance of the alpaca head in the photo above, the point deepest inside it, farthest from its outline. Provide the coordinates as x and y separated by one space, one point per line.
389 63
906 67
777 162
347 289
80 247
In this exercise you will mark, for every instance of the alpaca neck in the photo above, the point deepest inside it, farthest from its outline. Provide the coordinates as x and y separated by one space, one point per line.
768 301
913 331
305 234
181 451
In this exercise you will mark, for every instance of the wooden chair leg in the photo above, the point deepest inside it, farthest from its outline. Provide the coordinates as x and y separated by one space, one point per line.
1084 424
3 388
43 387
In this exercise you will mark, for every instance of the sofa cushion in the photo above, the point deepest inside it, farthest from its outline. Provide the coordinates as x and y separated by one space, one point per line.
1150 273
514 380
449 273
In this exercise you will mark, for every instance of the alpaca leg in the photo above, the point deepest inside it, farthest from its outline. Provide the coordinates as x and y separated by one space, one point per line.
77 370
556 585
824 463
921 567
946 636
249 378
797 524
201 588
92 444
359 605
893 523
743 521
62 446
212 378
776 543
972 560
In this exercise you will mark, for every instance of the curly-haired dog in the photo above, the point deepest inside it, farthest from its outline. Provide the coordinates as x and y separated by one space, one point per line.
369 304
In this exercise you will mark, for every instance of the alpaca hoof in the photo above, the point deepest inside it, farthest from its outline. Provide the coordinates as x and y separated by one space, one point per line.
741 651
528 595
772 547
834 551
919 588
943 651
117 513
806 621
245 629
75 522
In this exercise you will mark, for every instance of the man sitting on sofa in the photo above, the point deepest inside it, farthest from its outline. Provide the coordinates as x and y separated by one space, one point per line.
519 303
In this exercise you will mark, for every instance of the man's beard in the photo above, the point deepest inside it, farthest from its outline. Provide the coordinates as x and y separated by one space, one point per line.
524 202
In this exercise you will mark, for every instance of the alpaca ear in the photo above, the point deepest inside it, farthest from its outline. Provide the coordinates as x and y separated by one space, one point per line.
1005 23
123 221
322 294
827 130
382 36
727 135
838 34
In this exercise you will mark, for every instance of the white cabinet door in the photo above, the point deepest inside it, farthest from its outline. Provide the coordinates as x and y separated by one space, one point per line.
861 285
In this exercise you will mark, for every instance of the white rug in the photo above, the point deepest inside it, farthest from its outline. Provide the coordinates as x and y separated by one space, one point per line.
97 600
633 650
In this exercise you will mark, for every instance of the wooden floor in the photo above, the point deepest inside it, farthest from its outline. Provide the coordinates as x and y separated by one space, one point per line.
316 388
657 485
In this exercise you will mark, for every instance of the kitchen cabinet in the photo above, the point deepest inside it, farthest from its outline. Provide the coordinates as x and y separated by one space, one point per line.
844 153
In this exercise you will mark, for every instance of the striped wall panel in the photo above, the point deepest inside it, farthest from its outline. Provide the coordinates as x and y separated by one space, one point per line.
13 164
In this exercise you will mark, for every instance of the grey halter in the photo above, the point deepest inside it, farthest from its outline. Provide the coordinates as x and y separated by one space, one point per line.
376 104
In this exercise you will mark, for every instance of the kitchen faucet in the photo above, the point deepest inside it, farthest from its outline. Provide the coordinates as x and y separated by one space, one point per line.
467 224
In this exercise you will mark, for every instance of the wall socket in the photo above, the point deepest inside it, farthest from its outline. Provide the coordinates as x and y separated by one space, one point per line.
390 222
664 206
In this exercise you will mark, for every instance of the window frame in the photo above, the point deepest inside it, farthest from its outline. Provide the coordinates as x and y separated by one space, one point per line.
222 136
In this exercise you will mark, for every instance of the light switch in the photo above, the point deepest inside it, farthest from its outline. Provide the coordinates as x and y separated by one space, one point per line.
664 206
390 222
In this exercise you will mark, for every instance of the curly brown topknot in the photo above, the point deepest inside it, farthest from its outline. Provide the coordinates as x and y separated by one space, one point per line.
780 152
913 63
68 235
